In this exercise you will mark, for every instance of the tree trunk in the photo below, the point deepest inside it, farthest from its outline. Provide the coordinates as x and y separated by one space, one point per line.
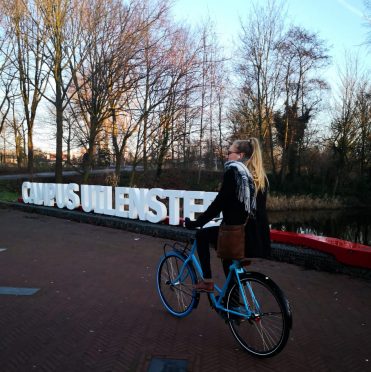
59 149
132 176
69 145
59 134
89 162
30 154
271 152
118 158
145 123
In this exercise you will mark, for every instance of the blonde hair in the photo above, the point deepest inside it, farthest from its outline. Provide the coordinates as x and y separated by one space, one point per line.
254 162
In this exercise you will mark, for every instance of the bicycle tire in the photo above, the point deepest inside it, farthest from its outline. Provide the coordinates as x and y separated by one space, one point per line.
266 333
180 298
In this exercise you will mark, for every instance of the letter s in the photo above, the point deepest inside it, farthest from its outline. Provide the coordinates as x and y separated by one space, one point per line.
73 200
156 206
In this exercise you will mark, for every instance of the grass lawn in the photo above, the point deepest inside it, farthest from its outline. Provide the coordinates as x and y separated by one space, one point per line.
8 196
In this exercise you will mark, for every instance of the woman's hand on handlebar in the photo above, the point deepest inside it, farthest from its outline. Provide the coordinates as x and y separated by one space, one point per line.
190 225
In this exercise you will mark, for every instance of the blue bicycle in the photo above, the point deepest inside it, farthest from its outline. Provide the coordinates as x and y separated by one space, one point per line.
254 307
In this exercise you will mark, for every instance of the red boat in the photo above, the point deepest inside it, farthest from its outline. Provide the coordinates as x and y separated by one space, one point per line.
348 253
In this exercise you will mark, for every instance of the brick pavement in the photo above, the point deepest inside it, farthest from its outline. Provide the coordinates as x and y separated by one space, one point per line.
98 308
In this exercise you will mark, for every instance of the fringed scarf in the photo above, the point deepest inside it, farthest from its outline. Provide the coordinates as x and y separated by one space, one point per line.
245 185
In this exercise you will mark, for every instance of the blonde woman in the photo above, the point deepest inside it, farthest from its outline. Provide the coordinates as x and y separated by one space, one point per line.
243 194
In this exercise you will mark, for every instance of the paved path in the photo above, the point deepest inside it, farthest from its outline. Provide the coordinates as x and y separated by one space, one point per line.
98 309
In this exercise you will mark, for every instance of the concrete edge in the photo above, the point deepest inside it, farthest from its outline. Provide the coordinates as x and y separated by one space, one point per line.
302 256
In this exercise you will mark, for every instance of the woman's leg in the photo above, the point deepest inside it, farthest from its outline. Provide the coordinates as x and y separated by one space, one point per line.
204 237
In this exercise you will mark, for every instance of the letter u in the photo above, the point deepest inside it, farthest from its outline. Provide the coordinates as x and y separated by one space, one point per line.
87 198
61 194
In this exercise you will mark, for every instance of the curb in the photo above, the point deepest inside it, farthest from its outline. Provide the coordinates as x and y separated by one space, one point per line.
302 256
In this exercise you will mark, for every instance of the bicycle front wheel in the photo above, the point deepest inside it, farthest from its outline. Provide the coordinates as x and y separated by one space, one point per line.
175 290
266 331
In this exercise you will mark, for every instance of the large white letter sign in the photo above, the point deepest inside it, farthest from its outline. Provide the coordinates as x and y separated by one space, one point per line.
37 193
137 203
108 210
49 194
99 199
174 206
209 198
61 194
190 207
122 202
73 200
87 198
103 200
156 209
26 186
127 202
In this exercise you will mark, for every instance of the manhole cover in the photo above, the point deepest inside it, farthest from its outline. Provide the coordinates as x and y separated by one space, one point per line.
168 365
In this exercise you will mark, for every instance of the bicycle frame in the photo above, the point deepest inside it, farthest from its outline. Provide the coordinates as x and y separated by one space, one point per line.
234 271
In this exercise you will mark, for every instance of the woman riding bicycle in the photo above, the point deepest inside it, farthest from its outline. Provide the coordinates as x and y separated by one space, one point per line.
242 195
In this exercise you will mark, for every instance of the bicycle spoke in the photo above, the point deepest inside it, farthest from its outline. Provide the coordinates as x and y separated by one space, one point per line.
267 338
266 331
175 283
177 286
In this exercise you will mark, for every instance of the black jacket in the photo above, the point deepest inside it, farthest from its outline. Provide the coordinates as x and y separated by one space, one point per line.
257 228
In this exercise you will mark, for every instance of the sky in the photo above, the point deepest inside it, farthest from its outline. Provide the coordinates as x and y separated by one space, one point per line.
339 22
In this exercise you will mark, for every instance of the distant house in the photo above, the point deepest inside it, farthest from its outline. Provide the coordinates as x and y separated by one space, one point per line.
8 157
51 157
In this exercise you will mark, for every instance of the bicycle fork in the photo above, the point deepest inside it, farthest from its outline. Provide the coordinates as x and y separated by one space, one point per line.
217 303
252 308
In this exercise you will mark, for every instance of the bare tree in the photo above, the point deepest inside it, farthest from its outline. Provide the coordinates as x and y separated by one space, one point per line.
363 123
152 71
183 61
113 31
303 55
16 127
27 58
259 69
61 21
6 99
343 128
170 69
214 77
7 74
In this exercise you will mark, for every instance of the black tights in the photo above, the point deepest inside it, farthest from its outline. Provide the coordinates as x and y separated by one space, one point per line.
204 238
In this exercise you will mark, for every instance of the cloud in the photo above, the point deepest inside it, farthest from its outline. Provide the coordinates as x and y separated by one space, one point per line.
351 8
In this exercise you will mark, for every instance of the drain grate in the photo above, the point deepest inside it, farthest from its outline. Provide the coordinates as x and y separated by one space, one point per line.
18 291
168 365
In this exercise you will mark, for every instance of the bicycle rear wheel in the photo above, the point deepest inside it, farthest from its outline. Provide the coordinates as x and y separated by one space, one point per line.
266 332
177 295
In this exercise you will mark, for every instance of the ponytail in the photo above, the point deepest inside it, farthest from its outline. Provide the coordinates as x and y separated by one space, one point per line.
254 162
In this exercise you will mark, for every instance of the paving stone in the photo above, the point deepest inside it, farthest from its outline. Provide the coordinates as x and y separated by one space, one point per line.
98 307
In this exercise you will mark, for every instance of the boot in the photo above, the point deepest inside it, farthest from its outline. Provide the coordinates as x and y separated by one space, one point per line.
204 286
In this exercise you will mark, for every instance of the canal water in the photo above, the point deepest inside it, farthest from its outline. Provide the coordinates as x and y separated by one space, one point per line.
350 224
